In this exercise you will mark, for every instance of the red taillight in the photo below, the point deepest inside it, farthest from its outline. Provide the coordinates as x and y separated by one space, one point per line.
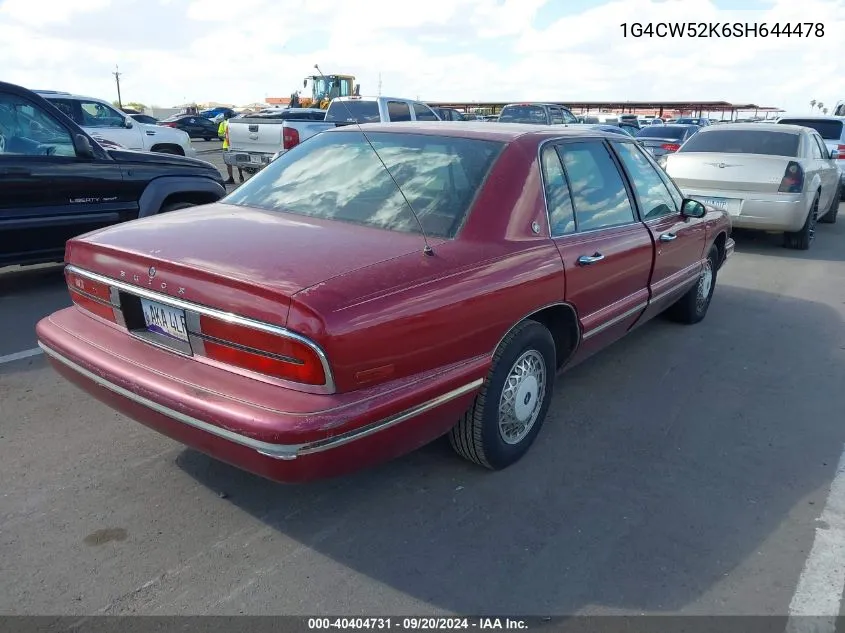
841 149
261 351
92 305
670 147
91 296
793 179
290 138
168 124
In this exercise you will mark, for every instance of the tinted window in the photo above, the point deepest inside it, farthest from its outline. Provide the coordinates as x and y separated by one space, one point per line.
822 148
29 131
568 117
360 111
590 119
598 192
523 114
66 106
337 176
398 111
652 194
729 141
95 114
663 131
828 129
561 217
815 151
424 113
840 110
291 116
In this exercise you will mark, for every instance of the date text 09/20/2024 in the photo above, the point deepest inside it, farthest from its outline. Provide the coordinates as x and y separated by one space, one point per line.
723 29
416 623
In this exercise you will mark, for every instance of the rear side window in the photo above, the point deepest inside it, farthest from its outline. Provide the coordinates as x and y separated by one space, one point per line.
523 114
568 117
29 131
336 176
360 111
827 129
558 201
424 113
557 116
598 192
727 141
398 111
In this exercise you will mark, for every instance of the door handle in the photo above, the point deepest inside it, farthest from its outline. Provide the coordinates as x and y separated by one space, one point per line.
668 237
586 260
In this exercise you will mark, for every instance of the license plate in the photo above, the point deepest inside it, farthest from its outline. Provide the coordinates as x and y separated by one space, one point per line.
731 205
255 159
165 320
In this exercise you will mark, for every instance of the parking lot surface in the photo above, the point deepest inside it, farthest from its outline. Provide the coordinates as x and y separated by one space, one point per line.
682 470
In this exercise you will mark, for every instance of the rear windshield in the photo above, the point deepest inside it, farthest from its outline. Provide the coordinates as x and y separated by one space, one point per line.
336 176
287 115
523 114
360 111
828 130
663 131
729 141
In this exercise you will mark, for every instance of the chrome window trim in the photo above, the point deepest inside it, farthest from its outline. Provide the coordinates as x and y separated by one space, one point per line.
275 451
328 387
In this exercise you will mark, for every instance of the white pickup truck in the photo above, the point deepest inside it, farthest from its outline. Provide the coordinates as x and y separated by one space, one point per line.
256 140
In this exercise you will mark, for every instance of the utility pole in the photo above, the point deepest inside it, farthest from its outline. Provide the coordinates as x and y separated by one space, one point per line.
117 81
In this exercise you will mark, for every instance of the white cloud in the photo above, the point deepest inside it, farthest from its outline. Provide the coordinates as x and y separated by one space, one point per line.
172 51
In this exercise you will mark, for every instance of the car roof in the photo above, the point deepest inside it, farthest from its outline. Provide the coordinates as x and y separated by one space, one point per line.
812 117
665 125
759 127
505 132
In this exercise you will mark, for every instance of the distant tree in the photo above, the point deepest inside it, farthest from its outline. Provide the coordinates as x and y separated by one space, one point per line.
819 105
136 106
812 104
824 110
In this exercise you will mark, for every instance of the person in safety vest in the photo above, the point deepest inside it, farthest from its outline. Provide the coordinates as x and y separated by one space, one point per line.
223 132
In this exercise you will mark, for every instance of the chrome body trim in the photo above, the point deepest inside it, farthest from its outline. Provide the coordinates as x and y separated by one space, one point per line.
327 388
608 324
276 451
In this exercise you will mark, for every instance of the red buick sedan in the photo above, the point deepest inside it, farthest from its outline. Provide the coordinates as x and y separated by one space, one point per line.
362 296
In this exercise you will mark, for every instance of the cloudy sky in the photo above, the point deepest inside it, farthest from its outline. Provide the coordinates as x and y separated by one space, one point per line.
240 51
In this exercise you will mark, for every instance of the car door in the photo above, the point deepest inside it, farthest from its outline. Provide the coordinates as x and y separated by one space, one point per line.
47 193
679 240
606 250
100 119
829 173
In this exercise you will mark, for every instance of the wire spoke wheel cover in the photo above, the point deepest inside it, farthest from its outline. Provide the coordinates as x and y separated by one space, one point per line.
522 397
705 283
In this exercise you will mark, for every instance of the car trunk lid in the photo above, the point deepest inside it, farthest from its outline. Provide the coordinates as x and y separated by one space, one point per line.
729 172
243 260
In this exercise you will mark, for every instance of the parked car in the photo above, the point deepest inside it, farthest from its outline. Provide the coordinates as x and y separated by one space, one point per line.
146 119
58 181
218 113
98 117
767 176
536 113
699 121
324 338
665 139
254 142
599 117
450 114
194 125
832 131
611 129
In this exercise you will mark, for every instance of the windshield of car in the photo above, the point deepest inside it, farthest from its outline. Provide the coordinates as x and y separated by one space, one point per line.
523 114
828 129
689 121
360 111
743 142
336 176
662 131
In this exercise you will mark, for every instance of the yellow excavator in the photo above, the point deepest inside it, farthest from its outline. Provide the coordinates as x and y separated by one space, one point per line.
324 88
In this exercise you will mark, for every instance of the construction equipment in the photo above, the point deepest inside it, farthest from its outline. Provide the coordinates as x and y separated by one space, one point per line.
324 89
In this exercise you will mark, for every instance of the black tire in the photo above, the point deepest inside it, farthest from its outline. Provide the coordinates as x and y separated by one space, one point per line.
801 240
833 211
477 436
174 150
207 138
693 306
175 206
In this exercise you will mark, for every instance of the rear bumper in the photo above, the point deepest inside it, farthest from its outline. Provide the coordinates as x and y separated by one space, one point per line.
730 247
231 418
252 160
761 211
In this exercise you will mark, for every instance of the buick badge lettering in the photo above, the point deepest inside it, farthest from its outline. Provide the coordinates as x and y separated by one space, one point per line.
152 272
123 274
136 278
181 291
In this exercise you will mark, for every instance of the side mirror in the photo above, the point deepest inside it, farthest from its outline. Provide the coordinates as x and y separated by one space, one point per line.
128 124
693 209
83 146
834 154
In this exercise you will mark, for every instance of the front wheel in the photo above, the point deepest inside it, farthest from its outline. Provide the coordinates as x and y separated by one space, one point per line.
693 306
507 414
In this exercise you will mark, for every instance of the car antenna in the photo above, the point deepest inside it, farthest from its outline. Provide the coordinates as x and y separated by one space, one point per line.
427 250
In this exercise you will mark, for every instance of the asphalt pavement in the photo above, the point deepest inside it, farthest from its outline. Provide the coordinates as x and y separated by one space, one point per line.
683 470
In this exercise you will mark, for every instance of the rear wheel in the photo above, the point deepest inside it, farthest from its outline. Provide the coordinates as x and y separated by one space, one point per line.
169 149
507 414
801 240
833 211
693 306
